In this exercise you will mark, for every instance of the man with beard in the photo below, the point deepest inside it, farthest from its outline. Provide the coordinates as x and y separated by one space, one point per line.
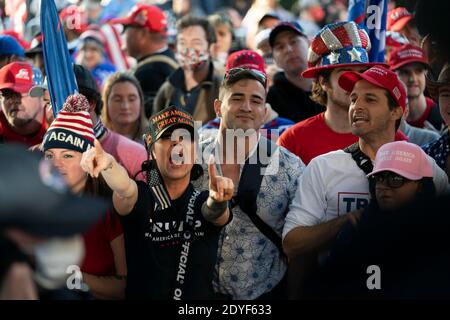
194 85
251 263
334 187
145 31
22 118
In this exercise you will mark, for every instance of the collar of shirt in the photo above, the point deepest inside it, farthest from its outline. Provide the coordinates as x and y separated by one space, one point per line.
216 147
177 78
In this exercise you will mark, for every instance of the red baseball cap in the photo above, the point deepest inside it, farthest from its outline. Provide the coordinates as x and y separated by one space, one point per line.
380 77
17 76
145 16
245 59
406 54
398 18
73 17
395 39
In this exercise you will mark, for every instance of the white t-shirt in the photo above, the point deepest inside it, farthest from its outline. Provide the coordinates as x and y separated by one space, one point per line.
333 185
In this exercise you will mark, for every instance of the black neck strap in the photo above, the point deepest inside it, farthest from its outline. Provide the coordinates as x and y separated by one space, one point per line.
249 186
188 237
361 159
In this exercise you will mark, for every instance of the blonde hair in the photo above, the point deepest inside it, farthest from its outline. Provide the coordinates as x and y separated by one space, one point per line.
318 94
142 122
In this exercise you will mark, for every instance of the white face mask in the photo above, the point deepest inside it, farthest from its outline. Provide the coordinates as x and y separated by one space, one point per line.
192 58
53 257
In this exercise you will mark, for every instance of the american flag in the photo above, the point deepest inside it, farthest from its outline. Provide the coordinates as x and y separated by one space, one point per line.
371 15
57 61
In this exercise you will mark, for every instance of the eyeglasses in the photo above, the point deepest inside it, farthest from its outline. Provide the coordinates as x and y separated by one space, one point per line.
236 74
389 179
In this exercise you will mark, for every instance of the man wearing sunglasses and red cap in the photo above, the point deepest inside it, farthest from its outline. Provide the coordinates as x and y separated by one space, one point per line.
22 117
145 30
334 187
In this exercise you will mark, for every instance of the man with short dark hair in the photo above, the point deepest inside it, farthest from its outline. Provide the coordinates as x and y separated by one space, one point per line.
146 40
195 84
251 263
328 58
334 187
289 94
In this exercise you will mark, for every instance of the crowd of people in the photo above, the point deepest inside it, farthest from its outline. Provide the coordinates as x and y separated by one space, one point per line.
235 150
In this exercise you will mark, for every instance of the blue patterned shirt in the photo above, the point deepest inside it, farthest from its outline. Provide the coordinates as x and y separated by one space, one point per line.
248 263
439 149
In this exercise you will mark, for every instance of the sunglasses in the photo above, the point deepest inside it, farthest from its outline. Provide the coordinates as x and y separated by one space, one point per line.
236 74
389 179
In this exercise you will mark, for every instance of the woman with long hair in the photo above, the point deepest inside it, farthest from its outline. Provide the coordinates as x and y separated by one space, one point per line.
71 133
124 111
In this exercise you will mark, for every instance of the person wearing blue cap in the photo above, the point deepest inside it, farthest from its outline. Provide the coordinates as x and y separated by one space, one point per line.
10 50
290 94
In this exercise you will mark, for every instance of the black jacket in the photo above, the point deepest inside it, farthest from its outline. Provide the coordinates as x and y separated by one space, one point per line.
290 101
152 71
409 245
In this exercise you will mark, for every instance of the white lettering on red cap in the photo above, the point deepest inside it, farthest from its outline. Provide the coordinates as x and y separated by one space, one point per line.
377 70
396 92
400 14
410 53
23 74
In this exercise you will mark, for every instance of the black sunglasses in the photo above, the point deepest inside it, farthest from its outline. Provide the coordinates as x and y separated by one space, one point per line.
236 74
390 179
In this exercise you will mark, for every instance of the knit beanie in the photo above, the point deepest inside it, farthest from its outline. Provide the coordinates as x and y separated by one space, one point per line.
72 129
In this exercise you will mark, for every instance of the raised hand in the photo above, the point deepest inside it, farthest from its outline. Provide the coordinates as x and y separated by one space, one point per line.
220 188
95 160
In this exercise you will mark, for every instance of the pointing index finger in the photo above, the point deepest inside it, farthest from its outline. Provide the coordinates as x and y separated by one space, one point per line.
212 169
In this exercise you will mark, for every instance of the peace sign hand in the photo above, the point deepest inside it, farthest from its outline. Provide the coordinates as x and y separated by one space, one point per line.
220 188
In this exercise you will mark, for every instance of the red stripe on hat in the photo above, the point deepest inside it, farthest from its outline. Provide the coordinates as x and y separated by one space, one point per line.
80 122
343 37
364 39
319 47
89 133
77 114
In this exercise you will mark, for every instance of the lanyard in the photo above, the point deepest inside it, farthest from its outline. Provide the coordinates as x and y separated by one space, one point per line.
188 236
